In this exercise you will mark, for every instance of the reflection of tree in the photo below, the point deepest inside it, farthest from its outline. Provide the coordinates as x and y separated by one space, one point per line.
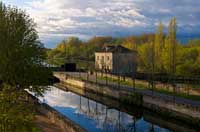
105 126
119 120
151 128
106 119
80 104
88 103
97 113
132 126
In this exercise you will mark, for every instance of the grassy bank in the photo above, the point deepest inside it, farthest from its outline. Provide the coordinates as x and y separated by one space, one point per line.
160 90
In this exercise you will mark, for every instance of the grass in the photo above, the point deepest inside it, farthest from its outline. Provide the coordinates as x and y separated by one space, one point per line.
35 129
163 91
183 95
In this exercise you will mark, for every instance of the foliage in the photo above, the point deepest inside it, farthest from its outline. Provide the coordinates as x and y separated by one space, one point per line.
132 42
170 56
159 46
22 56
144 57
22 59
16 113
190 60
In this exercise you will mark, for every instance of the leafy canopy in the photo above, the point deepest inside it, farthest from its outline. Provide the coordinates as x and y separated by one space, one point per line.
21 66
21 53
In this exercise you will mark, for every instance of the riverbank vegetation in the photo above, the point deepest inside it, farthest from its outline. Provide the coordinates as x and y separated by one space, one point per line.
21 67
160 52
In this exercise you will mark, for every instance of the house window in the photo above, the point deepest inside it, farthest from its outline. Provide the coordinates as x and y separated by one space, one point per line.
102 58
108 58
97 57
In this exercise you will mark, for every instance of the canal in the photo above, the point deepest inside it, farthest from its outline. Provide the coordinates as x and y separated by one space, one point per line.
99 117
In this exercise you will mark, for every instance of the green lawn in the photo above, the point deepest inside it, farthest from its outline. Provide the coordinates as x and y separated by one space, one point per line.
164 91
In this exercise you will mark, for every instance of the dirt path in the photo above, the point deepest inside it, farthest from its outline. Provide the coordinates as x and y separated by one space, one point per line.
43 123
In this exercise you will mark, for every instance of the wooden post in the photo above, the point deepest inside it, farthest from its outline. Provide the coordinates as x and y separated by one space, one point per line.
96 76
124 78
87 76
133 79
174 89
79 73
106 77
118 81
188 88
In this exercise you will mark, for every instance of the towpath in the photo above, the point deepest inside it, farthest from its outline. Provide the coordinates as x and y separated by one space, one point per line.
177 100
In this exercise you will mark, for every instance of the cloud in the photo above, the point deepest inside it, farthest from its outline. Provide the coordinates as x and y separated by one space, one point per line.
55 16
111 17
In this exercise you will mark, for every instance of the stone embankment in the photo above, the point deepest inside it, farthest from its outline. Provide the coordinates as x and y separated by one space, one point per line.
65 124
183 112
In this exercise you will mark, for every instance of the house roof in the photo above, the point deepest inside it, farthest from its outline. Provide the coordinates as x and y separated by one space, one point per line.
115 49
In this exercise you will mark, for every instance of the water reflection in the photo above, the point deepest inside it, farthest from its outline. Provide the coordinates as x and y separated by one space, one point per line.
93 116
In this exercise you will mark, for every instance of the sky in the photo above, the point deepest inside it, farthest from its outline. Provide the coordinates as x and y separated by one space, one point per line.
59 19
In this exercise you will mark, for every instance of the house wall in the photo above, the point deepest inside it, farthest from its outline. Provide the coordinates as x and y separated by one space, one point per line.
104 61
124 63
120 63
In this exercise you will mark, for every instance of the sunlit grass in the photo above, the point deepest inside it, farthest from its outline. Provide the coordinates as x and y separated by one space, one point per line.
160 90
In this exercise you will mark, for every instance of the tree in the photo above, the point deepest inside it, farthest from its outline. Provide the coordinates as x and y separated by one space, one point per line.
169 54
145 57
16 114
159 45
73 41
189 62
173 44
22 57
130 43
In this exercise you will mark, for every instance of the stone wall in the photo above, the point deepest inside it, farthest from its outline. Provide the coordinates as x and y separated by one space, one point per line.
177 110
148 115
169 110
63 122
159 105
112 92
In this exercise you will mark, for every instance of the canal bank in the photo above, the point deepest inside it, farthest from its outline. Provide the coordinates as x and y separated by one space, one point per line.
173 110
95 116
47 115
135 111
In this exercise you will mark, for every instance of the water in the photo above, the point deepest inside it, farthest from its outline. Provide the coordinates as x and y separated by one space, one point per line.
93 116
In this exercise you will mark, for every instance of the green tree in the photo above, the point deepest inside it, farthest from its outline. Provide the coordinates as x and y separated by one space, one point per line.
22 56
189 59
22 59
173 45
145 57
130 43
169 54
159 45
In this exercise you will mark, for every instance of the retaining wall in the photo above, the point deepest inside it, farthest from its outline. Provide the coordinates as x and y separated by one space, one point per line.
63 122
182 112
104 90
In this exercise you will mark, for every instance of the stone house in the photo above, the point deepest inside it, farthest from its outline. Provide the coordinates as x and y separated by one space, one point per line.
116 59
